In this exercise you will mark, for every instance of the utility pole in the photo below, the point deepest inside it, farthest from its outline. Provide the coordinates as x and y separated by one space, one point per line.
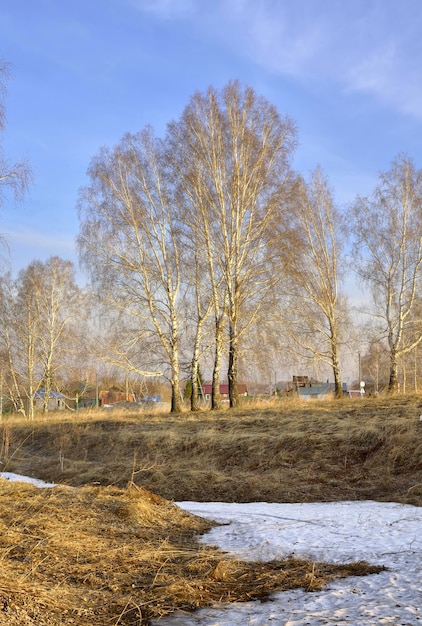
97 403
360 372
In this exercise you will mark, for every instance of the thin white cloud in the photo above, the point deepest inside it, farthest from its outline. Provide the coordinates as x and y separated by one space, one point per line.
277 36
32 239
26 244
370 46
366 46
166 9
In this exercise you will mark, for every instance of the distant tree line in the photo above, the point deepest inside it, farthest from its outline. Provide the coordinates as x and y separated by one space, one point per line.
206 243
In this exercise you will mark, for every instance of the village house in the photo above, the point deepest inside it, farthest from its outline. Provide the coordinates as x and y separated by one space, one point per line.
242 390
56 400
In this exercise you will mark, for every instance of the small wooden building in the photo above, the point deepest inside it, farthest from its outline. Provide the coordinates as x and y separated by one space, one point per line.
242 390
56 400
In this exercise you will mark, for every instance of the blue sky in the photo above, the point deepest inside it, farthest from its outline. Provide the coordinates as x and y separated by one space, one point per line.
349 72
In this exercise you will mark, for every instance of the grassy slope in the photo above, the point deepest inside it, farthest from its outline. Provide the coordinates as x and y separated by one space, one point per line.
354 449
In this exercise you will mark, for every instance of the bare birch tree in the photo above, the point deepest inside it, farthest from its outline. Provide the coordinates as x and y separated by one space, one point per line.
15 177
316 317
14 355
208 280
232 151
41 315
199 306
388 256
20 339
129 241
374 366
59 306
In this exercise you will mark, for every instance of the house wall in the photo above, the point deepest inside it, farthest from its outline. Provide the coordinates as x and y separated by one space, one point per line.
54 404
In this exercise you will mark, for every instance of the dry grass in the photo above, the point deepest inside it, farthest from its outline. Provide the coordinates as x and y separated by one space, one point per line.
291 452
105 553
97 556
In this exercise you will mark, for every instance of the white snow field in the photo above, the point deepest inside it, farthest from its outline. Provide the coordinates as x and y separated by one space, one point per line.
386 534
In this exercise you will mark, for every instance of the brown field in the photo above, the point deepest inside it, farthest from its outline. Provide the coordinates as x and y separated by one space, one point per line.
115 550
